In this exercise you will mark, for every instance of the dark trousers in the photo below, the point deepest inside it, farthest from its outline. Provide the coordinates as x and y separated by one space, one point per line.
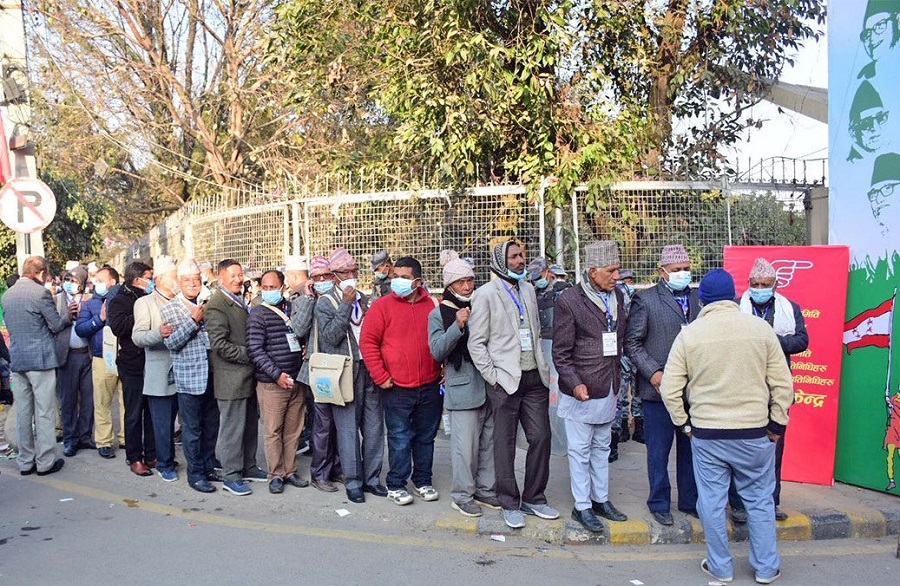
140 443
238 438
325 463
530 406
162 412
412 417
199 431
76 399
735 501
660 433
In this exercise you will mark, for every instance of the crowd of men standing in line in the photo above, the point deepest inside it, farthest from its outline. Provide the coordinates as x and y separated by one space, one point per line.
711 377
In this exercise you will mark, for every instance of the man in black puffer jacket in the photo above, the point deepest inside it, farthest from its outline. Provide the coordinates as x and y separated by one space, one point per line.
276 353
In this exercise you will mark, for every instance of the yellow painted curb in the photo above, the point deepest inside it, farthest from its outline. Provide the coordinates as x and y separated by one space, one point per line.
697 535
866 522
630 532
458 523
797 527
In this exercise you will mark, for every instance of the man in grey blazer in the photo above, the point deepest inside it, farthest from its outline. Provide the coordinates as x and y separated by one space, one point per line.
504 330
33 321
233 383
657 316
149 332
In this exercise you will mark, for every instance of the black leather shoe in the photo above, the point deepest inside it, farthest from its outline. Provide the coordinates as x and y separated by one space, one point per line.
663 518
203 485
214 476
588 520
106 452
295 480
57 466
28 472
88 445
739 516
376 489
692 512
276 486
355 495
608 511
70 450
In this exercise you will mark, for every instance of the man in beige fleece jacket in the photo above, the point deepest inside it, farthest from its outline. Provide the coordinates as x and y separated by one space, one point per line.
727 386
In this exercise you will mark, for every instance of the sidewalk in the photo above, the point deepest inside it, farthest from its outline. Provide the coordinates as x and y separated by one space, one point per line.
816 512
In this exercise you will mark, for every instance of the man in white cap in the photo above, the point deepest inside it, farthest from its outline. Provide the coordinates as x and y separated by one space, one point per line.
786 318
657 316
190 347
465 397
296 275
588 336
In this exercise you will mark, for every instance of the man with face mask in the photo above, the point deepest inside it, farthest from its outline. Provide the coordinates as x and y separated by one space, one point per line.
394 346
786 318
382 266
76 387
190 348
628 399
33 321
90 324
657 316
465 397
277 354
503 333
140 445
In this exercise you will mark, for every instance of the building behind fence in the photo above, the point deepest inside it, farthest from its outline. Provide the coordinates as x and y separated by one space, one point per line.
259 228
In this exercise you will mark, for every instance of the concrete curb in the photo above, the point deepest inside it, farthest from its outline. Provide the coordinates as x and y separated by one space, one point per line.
849 522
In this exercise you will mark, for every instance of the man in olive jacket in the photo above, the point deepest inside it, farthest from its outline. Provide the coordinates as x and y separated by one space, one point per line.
233 384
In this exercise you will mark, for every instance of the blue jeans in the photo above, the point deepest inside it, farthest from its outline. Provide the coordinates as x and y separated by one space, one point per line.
199 432
660 433
162 413
412 417
751 464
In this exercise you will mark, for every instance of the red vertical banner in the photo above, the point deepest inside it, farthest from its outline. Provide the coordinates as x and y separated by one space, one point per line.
815 278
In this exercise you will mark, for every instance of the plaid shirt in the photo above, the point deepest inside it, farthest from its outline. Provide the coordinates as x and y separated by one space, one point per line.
190 354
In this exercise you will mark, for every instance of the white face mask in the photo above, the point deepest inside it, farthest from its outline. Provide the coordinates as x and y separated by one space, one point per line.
348 283
465 298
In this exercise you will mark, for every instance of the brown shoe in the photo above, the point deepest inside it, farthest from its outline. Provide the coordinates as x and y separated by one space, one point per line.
140 469
324 485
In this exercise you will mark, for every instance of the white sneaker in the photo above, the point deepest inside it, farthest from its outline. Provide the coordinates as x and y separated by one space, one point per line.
426 493
399 497
704 565
760 580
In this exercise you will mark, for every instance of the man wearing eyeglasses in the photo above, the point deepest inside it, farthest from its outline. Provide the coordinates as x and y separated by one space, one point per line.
884 192
658 315
880 33
868 118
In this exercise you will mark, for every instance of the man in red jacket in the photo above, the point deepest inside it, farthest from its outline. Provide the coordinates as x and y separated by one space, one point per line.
394 346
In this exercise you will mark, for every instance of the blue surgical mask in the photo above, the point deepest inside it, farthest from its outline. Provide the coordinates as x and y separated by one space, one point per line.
629 289
70 288
100 289
515 276
679 281
402 286
272 297
150 286
541 283
379 276
762 296
324 287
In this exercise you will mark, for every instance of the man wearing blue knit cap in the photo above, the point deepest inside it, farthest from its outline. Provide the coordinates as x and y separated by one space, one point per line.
728 370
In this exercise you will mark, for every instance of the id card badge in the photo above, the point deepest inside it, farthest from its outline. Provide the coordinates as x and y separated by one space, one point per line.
610 344
525 340
293 342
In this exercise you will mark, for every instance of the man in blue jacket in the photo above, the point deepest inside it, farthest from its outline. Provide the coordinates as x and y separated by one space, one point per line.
90 324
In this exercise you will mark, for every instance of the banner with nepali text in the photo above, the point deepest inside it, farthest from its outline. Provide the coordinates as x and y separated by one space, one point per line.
815 278
864 213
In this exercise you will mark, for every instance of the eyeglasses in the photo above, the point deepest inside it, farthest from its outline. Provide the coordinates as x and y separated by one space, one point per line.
868 123
877 193
876 29
348 273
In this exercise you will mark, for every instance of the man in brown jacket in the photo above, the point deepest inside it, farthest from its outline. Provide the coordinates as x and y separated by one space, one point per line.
588 334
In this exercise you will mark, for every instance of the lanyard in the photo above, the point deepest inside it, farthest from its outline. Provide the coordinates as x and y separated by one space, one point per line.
682 300
519 305
609 319
764 314
239 302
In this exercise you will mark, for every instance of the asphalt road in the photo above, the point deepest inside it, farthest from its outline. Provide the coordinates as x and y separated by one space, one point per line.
66 531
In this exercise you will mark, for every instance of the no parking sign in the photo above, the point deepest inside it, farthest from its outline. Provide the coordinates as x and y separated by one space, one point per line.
27 205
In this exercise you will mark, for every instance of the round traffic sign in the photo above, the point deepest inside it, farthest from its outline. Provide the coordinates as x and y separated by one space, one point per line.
27 205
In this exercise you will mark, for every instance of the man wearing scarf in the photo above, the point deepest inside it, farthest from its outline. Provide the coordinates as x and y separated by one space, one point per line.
471 419
786 318
587 351
503 333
